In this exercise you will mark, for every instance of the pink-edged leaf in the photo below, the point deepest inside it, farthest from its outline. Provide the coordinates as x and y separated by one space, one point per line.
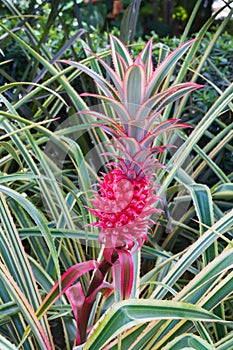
97 115
103 83
118 129
143 155
165 67
130 144
144 161
162 127
153 102
131 162
118 47
118 107
67 279
122 65
145 57
161 149
160 100
126 272
112 74
76 298
115 133
137 129
104 287
103 89
134 88
179 91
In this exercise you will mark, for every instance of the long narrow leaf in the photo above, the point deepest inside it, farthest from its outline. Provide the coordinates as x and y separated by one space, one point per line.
6 345
25 308
129 313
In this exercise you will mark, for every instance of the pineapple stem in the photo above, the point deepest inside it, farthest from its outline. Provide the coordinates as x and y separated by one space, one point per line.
97 280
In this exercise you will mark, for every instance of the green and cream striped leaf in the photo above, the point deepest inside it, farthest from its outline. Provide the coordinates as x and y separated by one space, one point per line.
165 66
203 203
6 345
77 100
129 313
38 218
223 191
210 275
25 308
194 251
120 55
188 342
226 342
162 332
13 255
184 150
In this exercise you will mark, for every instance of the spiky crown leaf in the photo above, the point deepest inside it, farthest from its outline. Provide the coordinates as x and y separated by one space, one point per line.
135 96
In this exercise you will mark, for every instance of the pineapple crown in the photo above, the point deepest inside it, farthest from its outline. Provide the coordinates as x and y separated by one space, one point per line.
135 99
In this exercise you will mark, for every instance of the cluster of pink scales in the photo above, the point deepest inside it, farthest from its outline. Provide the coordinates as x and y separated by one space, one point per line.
124 206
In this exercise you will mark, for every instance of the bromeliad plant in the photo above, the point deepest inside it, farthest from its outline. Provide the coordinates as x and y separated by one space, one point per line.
134 100
125 201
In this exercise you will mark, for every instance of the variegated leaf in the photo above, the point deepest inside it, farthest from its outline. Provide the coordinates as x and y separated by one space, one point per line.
119 50
104 85
120 110
145 57
164 68
134 87
159 101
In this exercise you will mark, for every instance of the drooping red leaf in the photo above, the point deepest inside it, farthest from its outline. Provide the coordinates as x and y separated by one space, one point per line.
126 275
76 298
103 287
67 279
78 301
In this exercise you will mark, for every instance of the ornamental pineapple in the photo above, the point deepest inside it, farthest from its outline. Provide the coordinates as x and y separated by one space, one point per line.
135 99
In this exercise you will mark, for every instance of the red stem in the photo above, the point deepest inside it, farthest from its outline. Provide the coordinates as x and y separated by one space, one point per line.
97 280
